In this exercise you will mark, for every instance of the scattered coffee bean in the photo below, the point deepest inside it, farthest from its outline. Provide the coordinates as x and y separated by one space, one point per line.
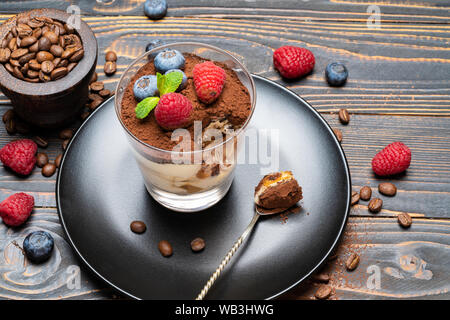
10 126
355 198
41 142
323 292
338 134
105 93
94 104
94 78
65 144
375 205
344 116
352 262
365 193
58 160
41 159
48 170
94 96
404 220
66 134
138 227
165 248
321 277
198 244
9 114
111 56
97 86
387 188
110 68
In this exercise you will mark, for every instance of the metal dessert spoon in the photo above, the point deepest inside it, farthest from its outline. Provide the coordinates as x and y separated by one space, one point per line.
258 212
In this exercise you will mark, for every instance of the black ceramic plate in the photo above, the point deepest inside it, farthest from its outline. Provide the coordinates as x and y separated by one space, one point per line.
100 191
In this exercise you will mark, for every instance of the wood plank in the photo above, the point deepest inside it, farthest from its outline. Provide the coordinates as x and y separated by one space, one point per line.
412 263
423 191
400 69
62 277
338 10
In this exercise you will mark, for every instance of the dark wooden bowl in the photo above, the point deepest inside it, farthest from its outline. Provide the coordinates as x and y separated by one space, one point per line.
55 103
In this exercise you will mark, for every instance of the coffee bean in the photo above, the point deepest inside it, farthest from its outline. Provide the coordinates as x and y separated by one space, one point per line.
9 68
24 30
58 160
65 144
31 74
71 66
63 63
15 63
59 73
24 69
27 57
365 193
387 188
110 68
43 77
5 54
28 41
41 159
105 93
111 56
94 104
198 244
84 115
16 54
69 29
138 227
10 126
355 198
352 262
34 47
323 292
344 116
94 78
68 53
48 170
56 50
44 56
165 248
8 115
44 44
34 65
37 33
338 134
97 86
47 67
32 80
17 73
77 56
94 96
52 37
41 142
66 134
375 205
404 220
321 277
12 45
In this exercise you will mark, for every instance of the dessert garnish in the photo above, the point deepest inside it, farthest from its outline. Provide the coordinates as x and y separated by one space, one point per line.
169 59
209 80
173 111
145 86
164 84
293 62
16 209
38 246
278 190
336 74
393 159
155 9
19 156
183 81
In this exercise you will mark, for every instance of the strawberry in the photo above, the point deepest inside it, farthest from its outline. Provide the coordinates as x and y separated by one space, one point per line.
173 111
293 62
19 156
394 158
16 209
209 80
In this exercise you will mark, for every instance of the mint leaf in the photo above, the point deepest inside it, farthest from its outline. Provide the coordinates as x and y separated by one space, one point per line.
145 107
160 79
172 82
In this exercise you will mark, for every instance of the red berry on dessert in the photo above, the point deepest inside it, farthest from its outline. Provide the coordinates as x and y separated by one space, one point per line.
293 62
19 156
209 80
173 111
16 209
394 158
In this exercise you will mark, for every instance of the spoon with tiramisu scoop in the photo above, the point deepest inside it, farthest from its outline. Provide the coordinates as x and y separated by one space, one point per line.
275 193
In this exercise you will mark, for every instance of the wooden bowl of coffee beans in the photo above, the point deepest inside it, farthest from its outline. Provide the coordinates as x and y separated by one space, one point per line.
47 59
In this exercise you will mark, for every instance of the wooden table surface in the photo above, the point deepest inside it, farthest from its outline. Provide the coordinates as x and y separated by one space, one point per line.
398 90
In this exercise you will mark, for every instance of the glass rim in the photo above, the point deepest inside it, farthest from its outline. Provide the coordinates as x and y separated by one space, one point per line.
147 53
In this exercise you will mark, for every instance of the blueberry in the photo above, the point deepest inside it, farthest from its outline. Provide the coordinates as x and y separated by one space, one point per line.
183 82
155 9
169 59
336 74
144 87
38 246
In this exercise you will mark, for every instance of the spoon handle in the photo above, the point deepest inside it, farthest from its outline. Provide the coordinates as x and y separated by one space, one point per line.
227 258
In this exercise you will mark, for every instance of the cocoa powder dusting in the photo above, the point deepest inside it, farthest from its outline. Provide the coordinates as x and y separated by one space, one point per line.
233 104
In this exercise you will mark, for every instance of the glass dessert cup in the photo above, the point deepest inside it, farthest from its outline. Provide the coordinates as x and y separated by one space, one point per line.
194 180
